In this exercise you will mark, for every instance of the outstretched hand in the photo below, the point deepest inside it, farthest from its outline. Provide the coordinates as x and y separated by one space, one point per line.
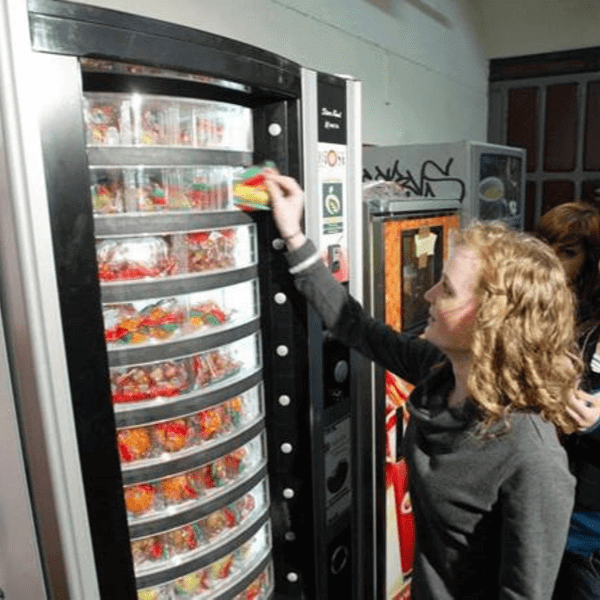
585 409
287 204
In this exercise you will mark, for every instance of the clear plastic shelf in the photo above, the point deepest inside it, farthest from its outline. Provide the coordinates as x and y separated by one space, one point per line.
106 66
147 384
159 320
217 577
261 587
180 492
172 254
159 552
164 441
145 120
161 189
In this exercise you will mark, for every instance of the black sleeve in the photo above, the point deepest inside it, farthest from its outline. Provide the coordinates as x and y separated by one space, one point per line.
406 356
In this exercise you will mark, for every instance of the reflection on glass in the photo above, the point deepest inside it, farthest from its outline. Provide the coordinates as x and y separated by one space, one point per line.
499 186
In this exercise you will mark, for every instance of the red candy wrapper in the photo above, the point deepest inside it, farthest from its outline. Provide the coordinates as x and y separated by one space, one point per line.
140 383
134 258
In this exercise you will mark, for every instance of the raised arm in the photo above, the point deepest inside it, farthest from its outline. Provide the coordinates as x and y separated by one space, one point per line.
406 356
287 204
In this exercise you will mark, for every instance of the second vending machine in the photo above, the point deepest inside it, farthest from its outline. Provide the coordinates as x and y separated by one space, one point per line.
211 415
408 241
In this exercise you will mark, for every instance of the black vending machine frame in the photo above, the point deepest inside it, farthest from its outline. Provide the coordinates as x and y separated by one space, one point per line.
271 87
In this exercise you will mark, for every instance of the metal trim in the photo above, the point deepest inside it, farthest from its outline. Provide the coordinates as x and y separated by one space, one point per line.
354 191
172 286
31 308
23 572
403 206
136 156
376 277
310 139
136 223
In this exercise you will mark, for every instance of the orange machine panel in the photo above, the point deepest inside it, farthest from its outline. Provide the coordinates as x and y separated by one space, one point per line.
394 283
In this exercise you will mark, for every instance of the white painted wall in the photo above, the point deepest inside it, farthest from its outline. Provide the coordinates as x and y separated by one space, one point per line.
423 70
518 27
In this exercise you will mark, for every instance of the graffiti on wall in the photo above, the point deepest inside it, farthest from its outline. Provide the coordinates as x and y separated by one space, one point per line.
432 181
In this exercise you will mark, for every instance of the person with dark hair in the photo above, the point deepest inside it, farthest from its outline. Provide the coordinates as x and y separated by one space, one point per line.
573 231
493 372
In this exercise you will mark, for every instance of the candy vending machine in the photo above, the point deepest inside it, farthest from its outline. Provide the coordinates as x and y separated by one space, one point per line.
170 450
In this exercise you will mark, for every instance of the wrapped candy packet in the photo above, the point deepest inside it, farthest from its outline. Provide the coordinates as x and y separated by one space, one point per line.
249 190
156 496
183 542
156 441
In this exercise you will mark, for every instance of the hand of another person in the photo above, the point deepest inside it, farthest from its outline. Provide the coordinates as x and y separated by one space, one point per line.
287 204
585 409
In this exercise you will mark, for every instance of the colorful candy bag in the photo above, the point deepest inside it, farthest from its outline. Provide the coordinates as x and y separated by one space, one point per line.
249 190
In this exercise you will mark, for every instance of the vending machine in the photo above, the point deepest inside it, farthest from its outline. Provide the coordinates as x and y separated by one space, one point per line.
183 419
488 179
406 242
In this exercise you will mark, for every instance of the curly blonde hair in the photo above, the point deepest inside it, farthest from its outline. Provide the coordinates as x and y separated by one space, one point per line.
524 355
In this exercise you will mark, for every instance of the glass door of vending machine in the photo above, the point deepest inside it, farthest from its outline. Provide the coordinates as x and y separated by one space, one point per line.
180 301
407 242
